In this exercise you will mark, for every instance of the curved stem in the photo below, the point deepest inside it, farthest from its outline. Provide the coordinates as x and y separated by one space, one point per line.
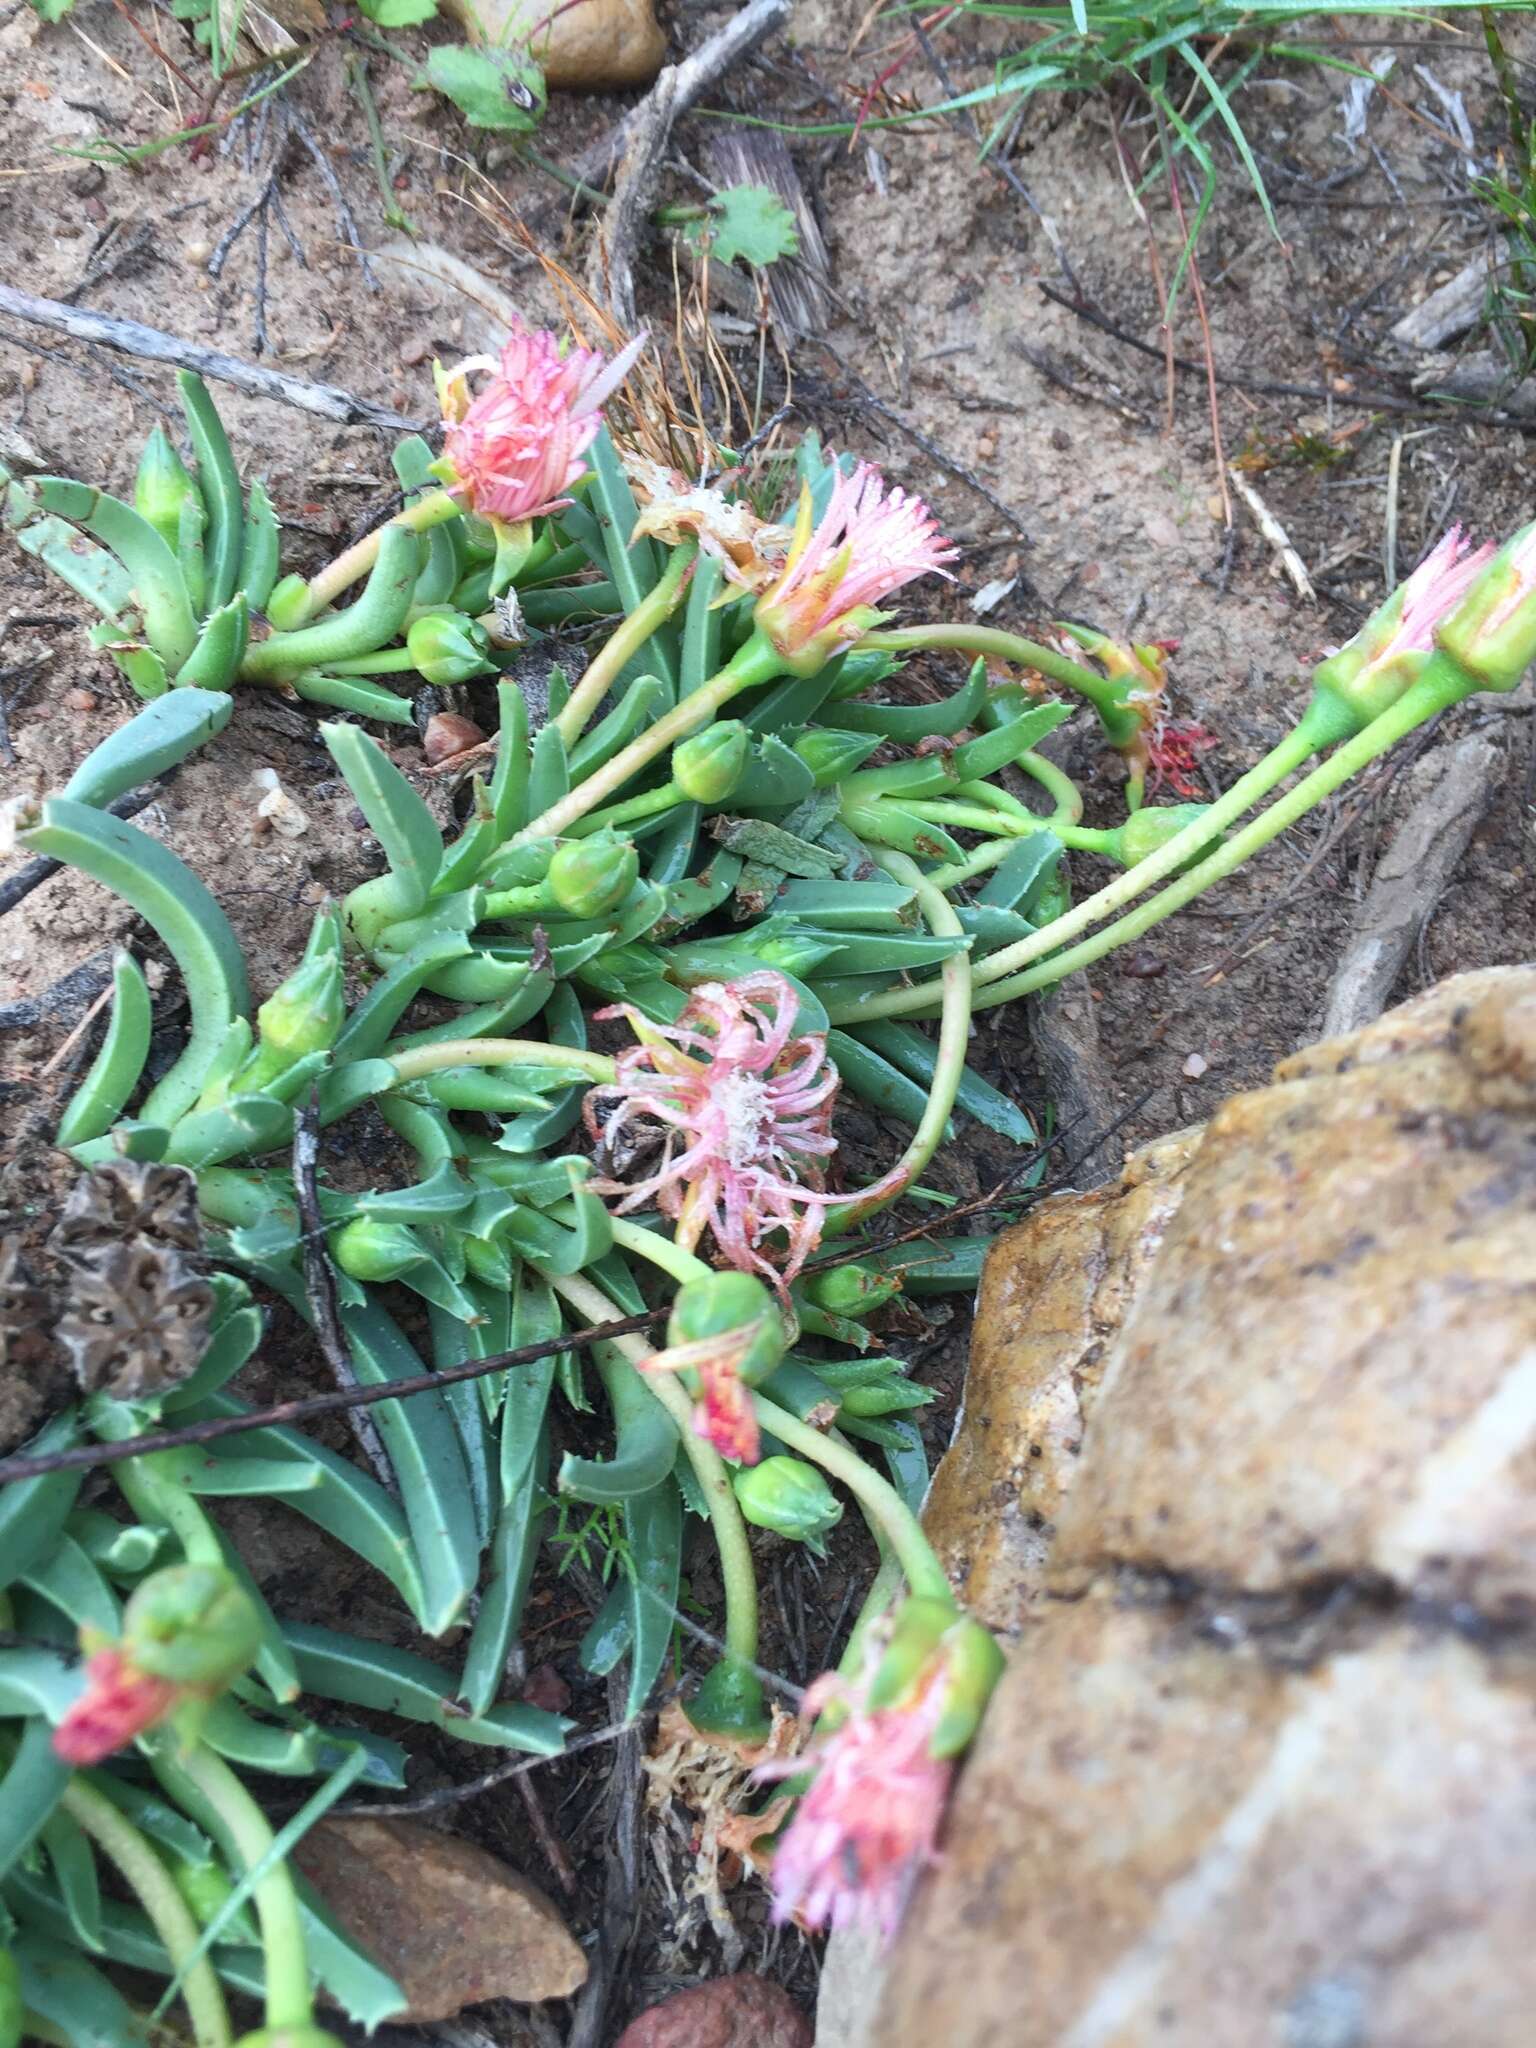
757 661
197 1778
913 1552
659 1250
357 560
1121 722
954 1038
417 1060
884 1588
652 611
1429 695
645 805
155 1889
1057 783
725 1517
993 972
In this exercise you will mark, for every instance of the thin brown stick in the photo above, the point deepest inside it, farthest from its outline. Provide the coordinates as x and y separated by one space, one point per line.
285 1413
134 339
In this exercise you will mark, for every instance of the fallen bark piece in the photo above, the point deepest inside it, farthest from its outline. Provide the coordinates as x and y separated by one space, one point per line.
451 1924
1447 312
600 46
733 2012
1410 879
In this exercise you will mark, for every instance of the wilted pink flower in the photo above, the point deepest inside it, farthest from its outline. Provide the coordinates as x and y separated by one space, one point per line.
723 1415
745 1111
1433 591
865 1827
119 1702
1173 751
517 447
866 545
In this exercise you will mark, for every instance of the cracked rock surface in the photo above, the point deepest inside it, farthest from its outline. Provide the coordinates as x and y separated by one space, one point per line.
1246 1466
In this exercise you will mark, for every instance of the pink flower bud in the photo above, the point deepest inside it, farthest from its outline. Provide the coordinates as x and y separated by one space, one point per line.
118 1704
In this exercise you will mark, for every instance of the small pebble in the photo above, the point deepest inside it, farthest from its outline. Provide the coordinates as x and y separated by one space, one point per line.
448 734
1141 965
1194 1067
79 700
415 351
197 252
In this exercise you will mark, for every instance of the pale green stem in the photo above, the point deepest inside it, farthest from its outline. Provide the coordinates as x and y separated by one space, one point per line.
389 661
659 1250
645 805
238 1823
417 1060
155 1889
977 863
954 1038
1058 784
725 1518
1004 800
1426 697
355 561
155 1497
652 611
913 1552
758 661
1297 747
884 1587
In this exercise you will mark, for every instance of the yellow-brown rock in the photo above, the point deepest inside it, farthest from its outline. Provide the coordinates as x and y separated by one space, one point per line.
1258 1775
1053 1295
600 46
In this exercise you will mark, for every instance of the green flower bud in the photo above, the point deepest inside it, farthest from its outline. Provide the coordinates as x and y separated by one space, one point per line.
929 1629
730 1702
832 755
1146 830
370 1248
723 1304
590 877
1491 636
11 2006
709 766
303 1015
160 487
851 1290
791 1498
193 1625
447 647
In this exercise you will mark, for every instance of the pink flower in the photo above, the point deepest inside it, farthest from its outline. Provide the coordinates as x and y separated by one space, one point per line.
518 446
865 1828
745 1113
867 544
723 1415
1433 591
119 1703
